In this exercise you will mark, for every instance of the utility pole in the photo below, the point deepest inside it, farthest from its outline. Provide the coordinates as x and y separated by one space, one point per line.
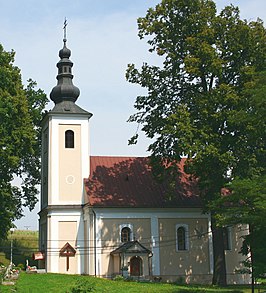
11 247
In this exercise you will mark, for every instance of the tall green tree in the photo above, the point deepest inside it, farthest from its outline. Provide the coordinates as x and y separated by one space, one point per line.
247 204
20 116
247 197
196 100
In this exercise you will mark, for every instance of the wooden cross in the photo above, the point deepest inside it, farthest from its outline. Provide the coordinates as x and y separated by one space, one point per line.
67 251
68 254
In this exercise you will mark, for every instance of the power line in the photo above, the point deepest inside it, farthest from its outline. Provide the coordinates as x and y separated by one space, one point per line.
103 248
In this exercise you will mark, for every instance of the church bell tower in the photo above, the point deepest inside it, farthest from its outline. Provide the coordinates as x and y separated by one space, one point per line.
65 162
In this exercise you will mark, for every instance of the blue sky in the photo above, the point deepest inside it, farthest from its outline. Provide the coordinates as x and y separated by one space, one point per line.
102 36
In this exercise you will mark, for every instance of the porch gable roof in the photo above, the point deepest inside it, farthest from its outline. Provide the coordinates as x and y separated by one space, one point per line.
133 247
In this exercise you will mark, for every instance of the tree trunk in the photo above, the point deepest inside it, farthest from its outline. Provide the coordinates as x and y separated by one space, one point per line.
252 265
219 273
252 283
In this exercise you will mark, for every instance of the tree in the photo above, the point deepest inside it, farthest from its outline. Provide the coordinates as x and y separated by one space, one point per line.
20 116
247 197
246 203
197 99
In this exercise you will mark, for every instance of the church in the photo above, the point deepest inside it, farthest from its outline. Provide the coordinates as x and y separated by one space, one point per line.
106 216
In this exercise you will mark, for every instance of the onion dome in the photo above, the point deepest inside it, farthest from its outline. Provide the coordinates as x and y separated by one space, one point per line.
64 90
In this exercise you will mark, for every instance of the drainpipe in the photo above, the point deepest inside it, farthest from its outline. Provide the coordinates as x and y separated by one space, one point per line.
94 228
149 263
123 264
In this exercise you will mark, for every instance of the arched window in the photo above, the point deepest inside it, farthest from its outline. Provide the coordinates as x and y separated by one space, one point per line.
181 237
125 234
69 139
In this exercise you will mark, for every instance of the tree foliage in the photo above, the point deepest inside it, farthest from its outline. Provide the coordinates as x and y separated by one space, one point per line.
20 116
200 102
247 204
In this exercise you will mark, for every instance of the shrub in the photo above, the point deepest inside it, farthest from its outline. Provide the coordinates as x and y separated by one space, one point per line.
82 286
2 274
118 278
21 266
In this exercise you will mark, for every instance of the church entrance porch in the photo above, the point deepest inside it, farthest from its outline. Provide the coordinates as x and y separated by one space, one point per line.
134 259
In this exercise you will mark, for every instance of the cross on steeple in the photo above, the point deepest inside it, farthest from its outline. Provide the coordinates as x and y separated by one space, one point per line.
65 26
64 91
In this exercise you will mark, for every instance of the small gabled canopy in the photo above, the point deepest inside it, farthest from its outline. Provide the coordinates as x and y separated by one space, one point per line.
67 250
131 247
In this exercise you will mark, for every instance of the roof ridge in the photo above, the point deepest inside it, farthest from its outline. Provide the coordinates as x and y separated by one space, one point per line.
116 156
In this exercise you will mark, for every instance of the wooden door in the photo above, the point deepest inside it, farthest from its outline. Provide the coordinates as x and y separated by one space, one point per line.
135 266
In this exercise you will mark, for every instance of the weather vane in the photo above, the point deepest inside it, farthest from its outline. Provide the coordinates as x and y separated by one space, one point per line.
65 26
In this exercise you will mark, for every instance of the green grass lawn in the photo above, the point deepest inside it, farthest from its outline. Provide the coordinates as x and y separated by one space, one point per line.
42 283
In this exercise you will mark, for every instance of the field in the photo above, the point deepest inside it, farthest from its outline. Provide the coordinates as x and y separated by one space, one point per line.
25 242
57 283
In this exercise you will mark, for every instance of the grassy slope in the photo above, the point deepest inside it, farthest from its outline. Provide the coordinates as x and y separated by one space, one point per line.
24 244
51 283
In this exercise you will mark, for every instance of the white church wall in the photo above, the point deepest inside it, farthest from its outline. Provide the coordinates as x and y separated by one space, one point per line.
147 229
66 171
65 226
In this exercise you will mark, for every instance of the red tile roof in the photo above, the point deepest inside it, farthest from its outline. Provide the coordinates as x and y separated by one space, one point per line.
128 182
